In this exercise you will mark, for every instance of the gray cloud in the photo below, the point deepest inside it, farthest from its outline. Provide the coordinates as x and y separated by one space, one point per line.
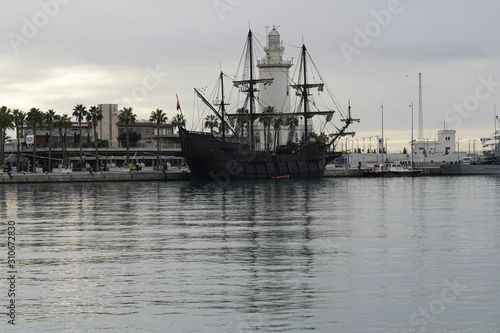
94 52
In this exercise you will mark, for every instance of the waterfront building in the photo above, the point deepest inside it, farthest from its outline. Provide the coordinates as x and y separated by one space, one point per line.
108 126
149 134
44 136
443 145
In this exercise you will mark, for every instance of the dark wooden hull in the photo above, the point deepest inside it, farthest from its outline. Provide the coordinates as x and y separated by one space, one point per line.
212 159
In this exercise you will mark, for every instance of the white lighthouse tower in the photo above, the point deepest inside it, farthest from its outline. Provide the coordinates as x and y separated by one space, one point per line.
272 66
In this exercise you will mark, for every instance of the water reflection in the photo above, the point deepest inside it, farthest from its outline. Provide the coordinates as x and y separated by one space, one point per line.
256 245
324 255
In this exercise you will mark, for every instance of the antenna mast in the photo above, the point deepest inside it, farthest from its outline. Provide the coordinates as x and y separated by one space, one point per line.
420 111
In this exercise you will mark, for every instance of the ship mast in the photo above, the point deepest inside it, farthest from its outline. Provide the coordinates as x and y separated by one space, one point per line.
343 131
251 94
248 86
222 106
303 91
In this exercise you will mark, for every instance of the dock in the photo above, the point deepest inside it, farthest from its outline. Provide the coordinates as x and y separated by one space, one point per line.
80 176
331 171
148 175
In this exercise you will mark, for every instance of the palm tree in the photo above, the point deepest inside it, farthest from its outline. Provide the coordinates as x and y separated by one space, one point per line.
159 117
178 121
127 116
220 128
292 122
211 122
278 122
242 120
95 116
63 123
266 120
34 119
80 112
6 122
19 121
49 120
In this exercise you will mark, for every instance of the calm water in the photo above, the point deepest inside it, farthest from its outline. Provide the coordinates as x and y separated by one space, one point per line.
331 255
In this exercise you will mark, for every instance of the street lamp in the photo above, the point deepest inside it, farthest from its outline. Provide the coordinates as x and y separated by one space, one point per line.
474 150
412 141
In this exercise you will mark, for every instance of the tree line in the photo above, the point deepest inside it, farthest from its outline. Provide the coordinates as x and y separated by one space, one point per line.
35 120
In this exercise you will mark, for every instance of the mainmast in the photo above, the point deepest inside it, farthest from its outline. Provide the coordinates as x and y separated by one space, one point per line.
248 86
305 93
251 84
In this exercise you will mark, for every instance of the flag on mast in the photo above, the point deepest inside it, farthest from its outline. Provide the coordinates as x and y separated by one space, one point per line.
178 107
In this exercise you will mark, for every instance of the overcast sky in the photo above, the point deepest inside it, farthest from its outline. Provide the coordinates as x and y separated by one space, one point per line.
57 53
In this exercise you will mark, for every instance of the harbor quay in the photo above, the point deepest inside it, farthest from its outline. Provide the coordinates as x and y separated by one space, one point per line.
148 174
108 158
341 171
143 165
90 176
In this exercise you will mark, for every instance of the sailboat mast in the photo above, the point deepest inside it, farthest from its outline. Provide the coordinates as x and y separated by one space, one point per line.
305 92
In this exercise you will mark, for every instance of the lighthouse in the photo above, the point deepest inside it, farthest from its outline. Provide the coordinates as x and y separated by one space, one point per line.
272 66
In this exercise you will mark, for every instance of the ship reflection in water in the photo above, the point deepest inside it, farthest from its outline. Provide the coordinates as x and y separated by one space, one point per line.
326 255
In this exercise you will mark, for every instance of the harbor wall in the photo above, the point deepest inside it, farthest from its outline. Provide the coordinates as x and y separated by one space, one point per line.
94 177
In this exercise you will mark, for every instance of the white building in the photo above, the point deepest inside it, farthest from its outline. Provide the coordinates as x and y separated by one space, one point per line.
108 126
273 66
443 145
277 94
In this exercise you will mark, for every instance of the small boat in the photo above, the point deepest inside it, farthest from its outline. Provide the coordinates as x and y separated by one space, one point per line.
391 170
281 177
